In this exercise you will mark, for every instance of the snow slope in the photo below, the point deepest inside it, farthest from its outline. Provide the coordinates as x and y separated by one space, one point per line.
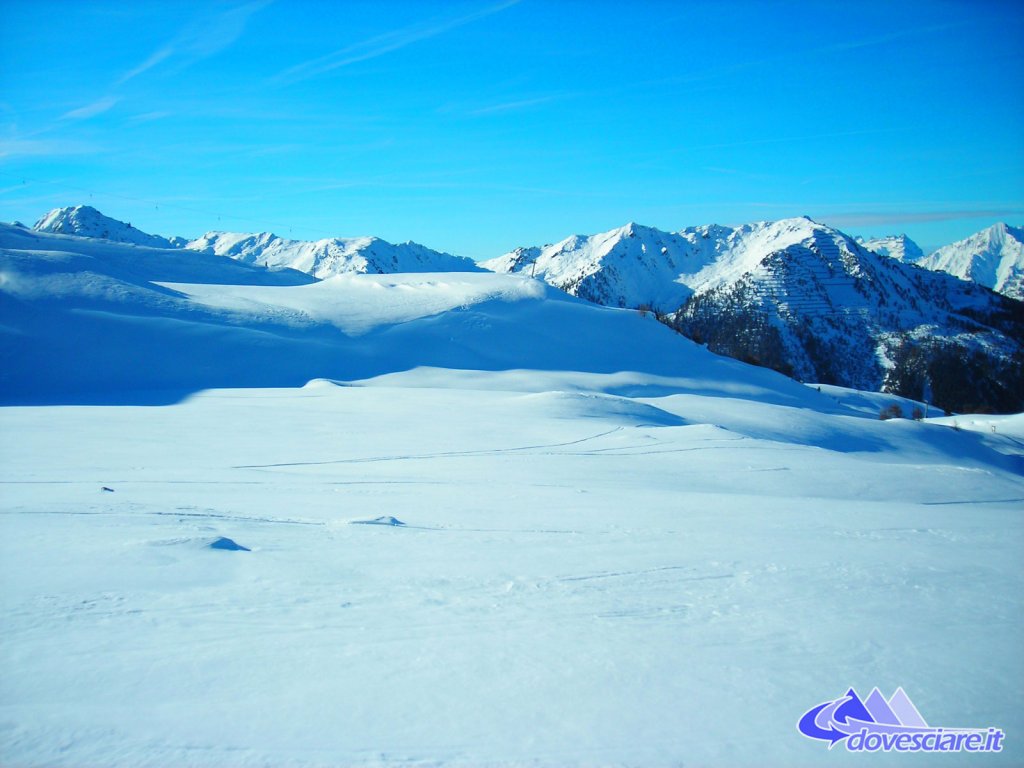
83 319
335 256
609 547
85 221
993 257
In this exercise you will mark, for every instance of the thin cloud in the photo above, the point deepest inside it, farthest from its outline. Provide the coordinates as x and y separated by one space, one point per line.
780 140
10 148
200 39
715 73
382 44
868 218
154 58
869 42
97 107
148 117
512 106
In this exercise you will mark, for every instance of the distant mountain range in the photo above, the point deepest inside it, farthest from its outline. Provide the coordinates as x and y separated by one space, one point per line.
793 295
808 300
319 258
993 257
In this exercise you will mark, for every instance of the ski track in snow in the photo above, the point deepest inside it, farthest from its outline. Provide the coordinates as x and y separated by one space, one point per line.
446 454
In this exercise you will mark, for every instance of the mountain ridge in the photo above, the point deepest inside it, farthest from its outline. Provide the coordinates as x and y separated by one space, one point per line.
993 257
330 256
320 258
805 299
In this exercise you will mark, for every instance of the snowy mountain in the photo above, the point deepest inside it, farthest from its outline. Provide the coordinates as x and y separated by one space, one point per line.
85 221
335 256
899 247
805 299
320 258
993 257
626 267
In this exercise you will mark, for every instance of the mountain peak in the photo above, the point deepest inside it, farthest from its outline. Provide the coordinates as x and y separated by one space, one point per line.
86 221
993 257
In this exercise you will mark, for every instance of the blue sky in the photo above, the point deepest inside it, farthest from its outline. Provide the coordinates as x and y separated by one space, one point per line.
478 126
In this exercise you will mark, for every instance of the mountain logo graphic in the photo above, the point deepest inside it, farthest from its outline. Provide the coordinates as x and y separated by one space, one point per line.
878 724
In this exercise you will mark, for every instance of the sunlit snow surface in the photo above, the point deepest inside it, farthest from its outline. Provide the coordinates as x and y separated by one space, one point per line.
581 578
594 543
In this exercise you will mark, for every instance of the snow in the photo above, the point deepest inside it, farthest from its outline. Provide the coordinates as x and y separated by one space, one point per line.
107 320
330 257
800 277
572 586
993 257
635 265
85 221
899 247
358 304
458 519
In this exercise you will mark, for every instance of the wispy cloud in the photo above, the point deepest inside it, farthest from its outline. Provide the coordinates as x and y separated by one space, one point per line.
97 107
513 106
149 117
714 73
868 218
10 148
889 37
380 45
154 58
203 37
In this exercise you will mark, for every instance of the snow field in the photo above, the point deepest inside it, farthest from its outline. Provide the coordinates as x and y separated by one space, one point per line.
582 578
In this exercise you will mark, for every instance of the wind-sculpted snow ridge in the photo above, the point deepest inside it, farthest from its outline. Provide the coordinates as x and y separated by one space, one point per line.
329 257
109 322
993 257
85 221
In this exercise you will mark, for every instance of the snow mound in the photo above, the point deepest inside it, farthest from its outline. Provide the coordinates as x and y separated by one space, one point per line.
224 542
383 520
357 304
